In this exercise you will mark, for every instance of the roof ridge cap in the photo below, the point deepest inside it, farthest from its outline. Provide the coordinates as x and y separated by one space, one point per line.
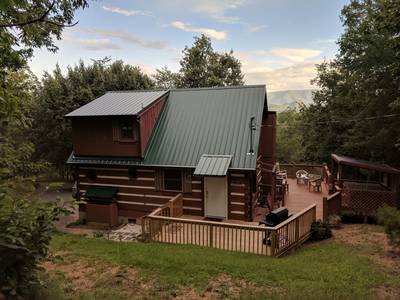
219 87
138 91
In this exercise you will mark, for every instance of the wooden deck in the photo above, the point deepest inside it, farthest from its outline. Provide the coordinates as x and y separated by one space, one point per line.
299 197
166 224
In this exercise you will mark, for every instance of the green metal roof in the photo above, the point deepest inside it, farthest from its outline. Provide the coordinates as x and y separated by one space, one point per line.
207 121
194 122
213 165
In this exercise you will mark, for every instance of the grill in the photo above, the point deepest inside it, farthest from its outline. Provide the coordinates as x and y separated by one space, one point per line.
272 219
275 217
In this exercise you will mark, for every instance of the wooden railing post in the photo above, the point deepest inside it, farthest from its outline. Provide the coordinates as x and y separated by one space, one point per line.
211 236
273 242
297 230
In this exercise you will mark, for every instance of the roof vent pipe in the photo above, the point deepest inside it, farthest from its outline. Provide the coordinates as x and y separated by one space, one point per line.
252 128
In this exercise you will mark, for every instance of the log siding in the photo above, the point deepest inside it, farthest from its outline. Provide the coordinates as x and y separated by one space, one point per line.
138 196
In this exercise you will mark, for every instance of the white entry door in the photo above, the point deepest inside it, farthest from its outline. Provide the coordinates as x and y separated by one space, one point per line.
216 197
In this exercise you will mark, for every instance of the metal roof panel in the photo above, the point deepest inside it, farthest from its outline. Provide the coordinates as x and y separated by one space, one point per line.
118 103
213 165
207 120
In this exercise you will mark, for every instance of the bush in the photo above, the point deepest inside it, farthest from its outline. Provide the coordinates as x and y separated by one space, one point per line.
335 221
389 217
25 233
320 231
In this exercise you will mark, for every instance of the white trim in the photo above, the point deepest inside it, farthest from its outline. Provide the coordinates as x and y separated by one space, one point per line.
113 177
145 179
193 199
196 191
237 203
237 194
196 182
133 195
192 208
238 184
237 212
132 202
152 204
156 196
120 185
237 175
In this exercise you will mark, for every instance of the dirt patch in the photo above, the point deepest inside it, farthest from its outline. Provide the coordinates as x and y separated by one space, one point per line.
83 276
387 293
372 240
223 286
77 274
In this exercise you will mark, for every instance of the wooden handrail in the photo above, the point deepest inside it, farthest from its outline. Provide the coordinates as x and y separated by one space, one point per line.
162 226
295 216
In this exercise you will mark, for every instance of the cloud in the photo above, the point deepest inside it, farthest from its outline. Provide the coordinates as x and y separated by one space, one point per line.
215 9
129 38
296 54
127 13
297 76
215 34
326 41
95 44
254 28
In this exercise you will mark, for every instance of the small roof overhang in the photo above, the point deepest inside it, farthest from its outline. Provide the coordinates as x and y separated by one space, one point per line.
349 161
213 165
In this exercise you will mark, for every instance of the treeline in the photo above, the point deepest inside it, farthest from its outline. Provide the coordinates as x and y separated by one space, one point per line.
38 137
356 110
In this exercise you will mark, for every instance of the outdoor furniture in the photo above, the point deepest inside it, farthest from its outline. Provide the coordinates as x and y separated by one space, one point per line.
314 181
302 177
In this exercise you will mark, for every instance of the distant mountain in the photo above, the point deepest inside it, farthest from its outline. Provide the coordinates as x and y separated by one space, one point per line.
290 99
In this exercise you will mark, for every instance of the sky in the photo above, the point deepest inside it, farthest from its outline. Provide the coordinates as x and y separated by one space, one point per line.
277 41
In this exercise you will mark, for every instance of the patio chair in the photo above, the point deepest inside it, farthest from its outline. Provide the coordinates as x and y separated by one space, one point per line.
301 176
315 184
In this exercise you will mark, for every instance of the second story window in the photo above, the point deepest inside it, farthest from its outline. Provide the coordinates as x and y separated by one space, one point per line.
127 130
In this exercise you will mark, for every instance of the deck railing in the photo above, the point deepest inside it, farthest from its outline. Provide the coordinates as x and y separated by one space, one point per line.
271 241
331 205
291 169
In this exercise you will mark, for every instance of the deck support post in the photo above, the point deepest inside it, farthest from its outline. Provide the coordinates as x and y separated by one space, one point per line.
325 212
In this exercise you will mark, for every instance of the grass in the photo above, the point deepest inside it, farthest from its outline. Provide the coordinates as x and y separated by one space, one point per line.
56 184
328 269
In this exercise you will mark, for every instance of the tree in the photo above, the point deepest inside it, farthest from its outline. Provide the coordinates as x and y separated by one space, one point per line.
289 137
166 79
60 94
26 24
201 66
15 149
357 110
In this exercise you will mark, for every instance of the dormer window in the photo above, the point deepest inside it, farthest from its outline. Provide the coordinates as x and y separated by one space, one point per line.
127 131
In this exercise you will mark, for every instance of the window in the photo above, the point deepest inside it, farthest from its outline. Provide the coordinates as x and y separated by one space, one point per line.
172 180
127 130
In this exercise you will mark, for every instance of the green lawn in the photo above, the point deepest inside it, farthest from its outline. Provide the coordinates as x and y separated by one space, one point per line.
329 269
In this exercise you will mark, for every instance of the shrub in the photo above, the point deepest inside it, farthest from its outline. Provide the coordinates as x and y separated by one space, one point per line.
389 217
25 233
335 221
320 231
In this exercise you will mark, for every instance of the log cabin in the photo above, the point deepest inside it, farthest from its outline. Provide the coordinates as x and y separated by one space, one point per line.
135 150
